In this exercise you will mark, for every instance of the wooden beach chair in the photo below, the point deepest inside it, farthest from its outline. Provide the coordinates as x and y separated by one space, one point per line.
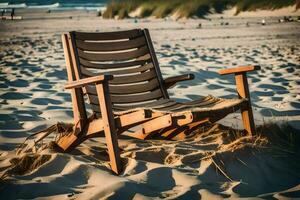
117 76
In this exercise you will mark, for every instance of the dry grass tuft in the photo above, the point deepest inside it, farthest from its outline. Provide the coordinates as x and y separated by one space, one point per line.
34 143
25 164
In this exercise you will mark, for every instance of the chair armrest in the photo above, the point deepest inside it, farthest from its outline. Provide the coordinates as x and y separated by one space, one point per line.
169 82
88 81
237 70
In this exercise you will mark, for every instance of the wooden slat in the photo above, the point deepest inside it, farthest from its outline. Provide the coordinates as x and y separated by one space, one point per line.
151 104
133 70
204 103
117 35
143 68
182 107
111 46
128 89
137 88
157 124
199 101
129 55
130 118
151 126
130 98
137 98
89 64
134 78
172 107
146 76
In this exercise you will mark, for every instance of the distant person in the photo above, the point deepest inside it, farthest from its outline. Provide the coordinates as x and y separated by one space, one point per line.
263 22
2 13
12 13
199 25
247 24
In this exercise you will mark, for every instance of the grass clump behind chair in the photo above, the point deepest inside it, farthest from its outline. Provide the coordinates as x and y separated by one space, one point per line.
190 8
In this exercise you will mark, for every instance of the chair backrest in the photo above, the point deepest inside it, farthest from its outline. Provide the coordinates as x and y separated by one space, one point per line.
129 56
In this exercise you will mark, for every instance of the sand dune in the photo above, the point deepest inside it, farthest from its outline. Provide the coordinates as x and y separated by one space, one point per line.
32 76
212 165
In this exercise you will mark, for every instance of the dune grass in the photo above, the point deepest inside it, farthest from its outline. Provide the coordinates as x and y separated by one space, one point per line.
189 8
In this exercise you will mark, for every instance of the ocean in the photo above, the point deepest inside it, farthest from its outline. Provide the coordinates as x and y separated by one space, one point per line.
55 4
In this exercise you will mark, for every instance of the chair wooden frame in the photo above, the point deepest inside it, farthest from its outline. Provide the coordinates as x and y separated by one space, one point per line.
110 124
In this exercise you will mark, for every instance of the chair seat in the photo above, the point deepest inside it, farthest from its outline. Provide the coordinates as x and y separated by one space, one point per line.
206 104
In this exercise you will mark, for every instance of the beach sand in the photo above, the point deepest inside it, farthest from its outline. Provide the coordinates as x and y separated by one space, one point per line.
215 165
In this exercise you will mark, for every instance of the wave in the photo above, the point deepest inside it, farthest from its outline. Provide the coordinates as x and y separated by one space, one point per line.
3 4
8 5
56 6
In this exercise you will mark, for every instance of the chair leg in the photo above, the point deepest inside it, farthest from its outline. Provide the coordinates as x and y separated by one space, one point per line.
66 142
109 127
246 109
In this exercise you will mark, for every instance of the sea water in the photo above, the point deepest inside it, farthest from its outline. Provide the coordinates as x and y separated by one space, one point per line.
55 4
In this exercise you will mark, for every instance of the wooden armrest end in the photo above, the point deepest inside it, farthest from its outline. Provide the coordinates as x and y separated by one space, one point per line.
88 81
174 79
241 69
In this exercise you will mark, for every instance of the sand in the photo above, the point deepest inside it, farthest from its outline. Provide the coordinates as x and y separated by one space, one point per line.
32 97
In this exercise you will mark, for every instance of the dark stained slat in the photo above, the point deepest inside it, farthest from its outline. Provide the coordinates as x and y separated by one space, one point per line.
137 98
88 64
163 105
133 78
188 107
205 102
145 57
145 76
128 89
133 70
118 35
129 55
129 98
199 101
143 68
154 103
137 88
111 46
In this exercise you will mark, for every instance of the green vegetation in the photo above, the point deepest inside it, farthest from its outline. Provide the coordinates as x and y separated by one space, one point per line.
189 8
